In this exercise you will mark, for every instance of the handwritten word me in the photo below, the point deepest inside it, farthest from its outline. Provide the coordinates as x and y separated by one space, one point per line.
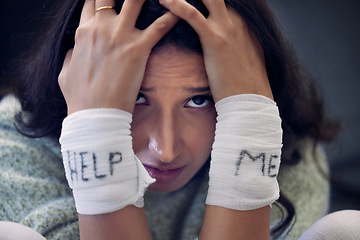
266 165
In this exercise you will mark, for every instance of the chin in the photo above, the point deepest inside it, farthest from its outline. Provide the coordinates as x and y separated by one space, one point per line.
165 187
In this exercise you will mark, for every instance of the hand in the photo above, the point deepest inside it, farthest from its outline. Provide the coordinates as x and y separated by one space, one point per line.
234 59
106 66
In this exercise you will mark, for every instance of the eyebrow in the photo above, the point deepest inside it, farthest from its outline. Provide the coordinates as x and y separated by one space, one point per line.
198 89
143 89
188 89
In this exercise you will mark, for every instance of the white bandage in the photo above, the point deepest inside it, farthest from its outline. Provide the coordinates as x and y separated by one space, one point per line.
246 153
100 165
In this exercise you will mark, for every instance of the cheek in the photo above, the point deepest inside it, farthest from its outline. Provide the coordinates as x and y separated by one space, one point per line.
201 135
139 133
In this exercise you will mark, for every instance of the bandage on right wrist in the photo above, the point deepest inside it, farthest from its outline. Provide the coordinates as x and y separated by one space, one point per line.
100 165
246 153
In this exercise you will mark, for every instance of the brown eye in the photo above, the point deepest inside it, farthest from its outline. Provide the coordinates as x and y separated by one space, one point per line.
199 101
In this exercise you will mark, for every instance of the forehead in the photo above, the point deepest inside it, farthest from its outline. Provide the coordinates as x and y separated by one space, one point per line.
174 66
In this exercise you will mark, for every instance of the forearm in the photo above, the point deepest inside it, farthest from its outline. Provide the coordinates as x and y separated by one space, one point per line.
244 165
224 223
127 223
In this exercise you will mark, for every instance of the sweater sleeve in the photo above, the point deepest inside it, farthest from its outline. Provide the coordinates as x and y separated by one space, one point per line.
306 186
33 188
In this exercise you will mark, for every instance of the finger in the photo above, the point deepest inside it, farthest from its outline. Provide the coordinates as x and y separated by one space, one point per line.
159 28
130 11
105 7
187 12
216 8
87 11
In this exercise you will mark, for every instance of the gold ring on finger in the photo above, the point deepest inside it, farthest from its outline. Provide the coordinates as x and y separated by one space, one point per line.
103 8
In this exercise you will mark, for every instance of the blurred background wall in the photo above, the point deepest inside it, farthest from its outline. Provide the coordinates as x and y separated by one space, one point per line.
326 37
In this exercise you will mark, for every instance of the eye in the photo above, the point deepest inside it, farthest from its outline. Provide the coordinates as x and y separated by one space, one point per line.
141 99
199 101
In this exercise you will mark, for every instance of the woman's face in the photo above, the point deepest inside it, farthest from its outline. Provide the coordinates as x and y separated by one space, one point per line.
174 118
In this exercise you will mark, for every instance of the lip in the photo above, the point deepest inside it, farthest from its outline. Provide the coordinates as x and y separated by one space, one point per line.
163 175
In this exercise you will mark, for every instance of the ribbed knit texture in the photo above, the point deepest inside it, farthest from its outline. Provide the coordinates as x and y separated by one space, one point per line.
35 193
341 225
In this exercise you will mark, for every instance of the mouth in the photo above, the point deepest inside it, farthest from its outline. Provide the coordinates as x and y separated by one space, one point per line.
163 175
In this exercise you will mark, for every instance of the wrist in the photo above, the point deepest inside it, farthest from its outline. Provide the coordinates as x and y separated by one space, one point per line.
246 153
99 162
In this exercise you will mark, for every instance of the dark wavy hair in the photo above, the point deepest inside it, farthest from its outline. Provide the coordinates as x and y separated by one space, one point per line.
301 108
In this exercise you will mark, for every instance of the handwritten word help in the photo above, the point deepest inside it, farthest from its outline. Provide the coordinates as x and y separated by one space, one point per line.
84 166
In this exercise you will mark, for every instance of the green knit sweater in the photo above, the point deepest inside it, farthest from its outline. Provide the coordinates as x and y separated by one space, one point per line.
35 193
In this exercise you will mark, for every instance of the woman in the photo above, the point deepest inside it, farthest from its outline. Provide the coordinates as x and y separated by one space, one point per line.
163 73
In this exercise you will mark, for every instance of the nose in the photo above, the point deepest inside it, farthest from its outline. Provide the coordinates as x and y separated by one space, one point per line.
165 141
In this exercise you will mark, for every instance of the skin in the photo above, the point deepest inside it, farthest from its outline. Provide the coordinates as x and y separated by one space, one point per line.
179 125
234 64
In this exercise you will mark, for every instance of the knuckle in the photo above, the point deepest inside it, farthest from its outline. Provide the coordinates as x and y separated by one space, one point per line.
91 31
63 73
161 27
61 79
191 13
81 32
